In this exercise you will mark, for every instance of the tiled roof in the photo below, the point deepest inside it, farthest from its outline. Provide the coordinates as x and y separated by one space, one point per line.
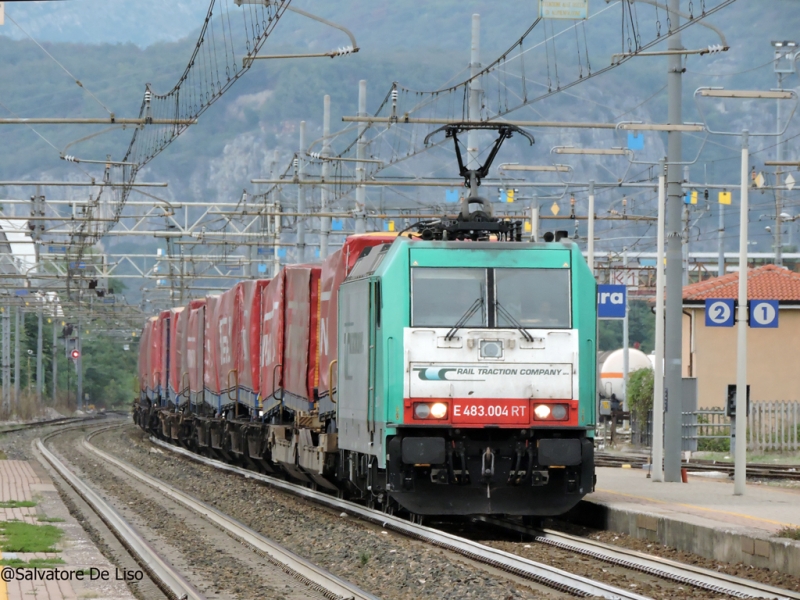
764 283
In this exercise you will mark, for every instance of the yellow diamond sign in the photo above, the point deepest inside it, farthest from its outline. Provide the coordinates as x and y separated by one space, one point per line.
554 209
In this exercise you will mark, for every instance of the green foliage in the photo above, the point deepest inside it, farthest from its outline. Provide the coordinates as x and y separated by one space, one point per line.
363 557
641 329
24 537
793 533
17 504
714 445
640 391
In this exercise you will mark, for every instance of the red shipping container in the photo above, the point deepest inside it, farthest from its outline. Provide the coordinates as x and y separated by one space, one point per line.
334 271
144 355
226 344
248 324
154 364
271 339
164 326
301 290
210 346
192 359
177 345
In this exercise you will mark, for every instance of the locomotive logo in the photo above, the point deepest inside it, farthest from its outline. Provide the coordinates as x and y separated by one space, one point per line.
441 374
474 373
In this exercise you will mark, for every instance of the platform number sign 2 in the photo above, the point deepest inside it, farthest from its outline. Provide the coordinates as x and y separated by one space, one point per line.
764 313
719 313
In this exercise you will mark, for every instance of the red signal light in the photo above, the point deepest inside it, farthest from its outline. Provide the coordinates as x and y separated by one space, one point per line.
75 354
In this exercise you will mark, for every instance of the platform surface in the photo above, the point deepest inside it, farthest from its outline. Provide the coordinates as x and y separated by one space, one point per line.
22 481
762 507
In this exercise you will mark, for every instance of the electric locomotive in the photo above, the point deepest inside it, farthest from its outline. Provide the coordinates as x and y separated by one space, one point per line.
452 372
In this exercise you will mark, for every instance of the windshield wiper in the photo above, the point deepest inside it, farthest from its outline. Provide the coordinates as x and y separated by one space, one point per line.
465 317
516 324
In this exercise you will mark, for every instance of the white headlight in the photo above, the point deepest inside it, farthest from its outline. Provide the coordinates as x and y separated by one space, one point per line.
559 412
542 411
439 410
422 411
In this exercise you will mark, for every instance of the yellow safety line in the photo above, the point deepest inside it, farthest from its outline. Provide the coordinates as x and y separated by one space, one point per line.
695 507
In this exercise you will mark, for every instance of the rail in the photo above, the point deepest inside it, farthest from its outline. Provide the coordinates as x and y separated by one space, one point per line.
306 571
720 583
163 574
522 567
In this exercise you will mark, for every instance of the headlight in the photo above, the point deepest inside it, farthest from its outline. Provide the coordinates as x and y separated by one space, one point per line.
439 410
432 410
551 412
542 411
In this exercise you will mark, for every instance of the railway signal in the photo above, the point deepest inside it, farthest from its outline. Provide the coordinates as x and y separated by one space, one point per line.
75 354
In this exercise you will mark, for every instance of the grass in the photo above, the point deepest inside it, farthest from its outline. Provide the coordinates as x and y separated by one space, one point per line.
3 455
24 537
34 563
42 519
793 533
363 557
17 503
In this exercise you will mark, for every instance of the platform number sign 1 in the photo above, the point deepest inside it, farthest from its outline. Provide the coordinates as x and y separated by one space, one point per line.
764 313
719 313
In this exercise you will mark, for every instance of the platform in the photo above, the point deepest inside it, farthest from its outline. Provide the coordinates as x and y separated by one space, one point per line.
701 516
26 482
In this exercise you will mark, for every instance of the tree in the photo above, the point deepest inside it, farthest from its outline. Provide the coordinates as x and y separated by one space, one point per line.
640 393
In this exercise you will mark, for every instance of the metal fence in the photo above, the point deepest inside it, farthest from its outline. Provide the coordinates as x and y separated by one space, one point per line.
774 426
771 427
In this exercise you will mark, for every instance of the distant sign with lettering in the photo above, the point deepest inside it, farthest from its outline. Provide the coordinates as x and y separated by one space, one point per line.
564 9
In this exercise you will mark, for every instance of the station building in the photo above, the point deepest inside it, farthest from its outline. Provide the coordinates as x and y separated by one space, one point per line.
773 355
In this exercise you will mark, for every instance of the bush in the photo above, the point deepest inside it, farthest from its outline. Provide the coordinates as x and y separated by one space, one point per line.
640 392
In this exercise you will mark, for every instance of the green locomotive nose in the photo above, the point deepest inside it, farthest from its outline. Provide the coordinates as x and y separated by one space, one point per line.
466 376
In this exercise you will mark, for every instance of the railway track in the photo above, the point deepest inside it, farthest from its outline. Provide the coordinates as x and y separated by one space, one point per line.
754 470
163 575
646 563
556 578
318 580
45 423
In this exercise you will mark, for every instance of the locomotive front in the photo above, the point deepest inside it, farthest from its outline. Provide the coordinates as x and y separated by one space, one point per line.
488 378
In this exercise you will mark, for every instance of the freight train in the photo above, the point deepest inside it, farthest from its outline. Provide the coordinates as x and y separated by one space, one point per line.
449 373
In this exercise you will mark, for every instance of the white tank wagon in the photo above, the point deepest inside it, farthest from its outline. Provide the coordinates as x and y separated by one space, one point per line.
611 371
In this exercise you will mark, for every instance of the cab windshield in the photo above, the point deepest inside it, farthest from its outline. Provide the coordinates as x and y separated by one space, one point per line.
490 298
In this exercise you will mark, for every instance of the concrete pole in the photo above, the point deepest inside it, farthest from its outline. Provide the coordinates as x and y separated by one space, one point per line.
361 154
474 106
325 222
590 230
625 336
740 452
39 349
534 223
673 402
301 196
55 352
5 380
721 242
79 368
656 470
778 182
17 337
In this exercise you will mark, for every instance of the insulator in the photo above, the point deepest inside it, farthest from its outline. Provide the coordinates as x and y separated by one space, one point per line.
147 96
295 163
394 95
